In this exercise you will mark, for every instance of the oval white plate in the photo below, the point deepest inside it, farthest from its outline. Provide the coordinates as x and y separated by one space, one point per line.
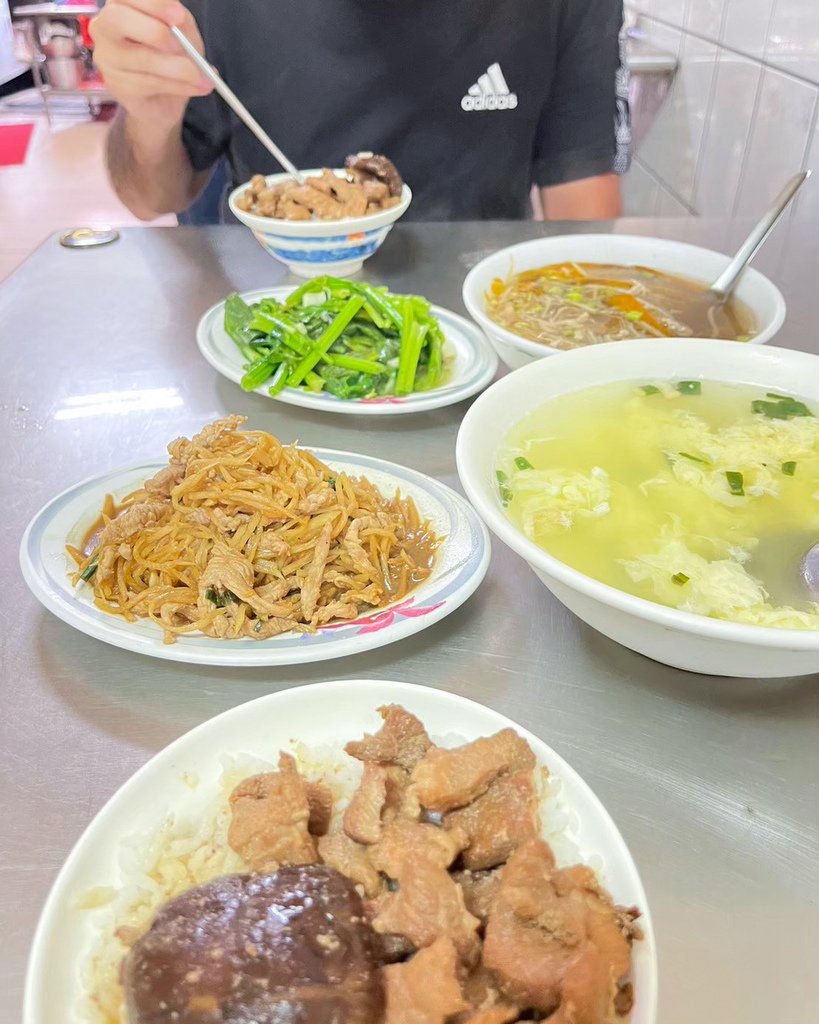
66 936
474 365
460 566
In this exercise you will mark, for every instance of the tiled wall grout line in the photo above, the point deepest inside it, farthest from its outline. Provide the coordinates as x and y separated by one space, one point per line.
749 138
707 126
664 185
743 107
754 58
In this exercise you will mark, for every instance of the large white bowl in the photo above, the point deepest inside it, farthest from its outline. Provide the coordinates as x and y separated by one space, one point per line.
761 296
693 642
185 779
313 247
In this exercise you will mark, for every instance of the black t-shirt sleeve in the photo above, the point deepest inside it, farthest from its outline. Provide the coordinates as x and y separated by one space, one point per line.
584 125
206 124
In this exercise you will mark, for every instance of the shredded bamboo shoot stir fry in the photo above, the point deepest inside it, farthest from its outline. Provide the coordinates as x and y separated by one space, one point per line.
240 536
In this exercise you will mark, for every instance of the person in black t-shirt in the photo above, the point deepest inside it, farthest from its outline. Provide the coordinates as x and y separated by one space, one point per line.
473 100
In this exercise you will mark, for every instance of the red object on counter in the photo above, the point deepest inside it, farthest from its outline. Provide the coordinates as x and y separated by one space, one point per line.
14 140
85 31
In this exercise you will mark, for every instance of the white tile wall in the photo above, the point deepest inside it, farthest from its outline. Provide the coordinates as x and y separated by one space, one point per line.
746 26
779 139
806 206
705 17
741 115
736 85
671 147
673 11
670 206
793 39
641 192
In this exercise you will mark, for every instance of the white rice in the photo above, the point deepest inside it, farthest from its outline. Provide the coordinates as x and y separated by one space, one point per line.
189 849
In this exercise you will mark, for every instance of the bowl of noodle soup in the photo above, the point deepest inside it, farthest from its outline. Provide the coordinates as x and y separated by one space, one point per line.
758 301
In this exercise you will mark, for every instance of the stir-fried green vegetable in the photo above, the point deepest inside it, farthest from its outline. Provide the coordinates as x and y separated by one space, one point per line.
344 337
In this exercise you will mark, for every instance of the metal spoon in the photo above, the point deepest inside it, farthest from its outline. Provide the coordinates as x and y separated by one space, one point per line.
236 105
809 571
787 565
727 280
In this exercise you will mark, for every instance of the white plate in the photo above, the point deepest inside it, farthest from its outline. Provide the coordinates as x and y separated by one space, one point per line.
67 935
474 365
460 566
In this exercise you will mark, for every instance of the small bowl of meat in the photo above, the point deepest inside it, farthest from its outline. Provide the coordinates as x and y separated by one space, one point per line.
332 222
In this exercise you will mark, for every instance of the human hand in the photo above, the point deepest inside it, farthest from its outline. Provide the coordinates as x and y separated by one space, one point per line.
144 66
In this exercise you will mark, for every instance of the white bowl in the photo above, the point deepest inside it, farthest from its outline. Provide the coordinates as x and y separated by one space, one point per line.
687 641
761 296
185 778
313 247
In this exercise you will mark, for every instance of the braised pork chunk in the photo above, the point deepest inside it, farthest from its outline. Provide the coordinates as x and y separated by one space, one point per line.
473 920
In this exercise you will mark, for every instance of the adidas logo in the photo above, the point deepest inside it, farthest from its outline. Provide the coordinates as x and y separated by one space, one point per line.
490 92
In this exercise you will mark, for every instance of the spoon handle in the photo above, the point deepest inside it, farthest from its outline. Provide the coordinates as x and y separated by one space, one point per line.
727 280
236 105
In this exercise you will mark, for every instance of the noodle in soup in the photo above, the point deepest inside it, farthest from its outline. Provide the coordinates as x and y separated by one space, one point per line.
568 305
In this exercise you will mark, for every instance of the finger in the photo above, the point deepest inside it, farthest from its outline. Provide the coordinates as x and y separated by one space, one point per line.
138 85
191 30
170 11
138 27
143 60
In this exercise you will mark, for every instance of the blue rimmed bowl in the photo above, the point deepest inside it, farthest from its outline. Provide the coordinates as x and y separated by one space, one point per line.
313 247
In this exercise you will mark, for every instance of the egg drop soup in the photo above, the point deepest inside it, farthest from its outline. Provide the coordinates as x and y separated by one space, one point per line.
698 495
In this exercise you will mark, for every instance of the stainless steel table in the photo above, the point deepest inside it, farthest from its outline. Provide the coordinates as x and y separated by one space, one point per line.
713 782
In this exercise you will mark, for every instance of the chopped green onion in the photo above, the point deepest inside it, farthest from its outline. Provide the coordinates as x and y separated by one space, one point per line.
634 314
680 578
523 463
690 387
89 571
650 389
331 480
789 468
694 458
779 398
736 483
782 409
574 296
503 487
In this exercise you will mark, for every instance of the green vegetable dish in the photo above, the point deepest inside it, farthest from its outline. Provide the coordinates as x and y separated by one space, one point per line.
695 494
342 338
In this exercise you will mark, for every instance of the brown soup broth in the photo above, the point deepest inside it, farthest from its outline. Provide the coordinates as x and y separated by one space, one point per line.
569 305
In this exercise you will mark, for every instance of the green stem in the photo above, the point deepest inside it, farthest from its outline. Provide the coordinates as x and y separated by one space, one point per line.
406 373
436 356
354 363
260 371
320 348
279 380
